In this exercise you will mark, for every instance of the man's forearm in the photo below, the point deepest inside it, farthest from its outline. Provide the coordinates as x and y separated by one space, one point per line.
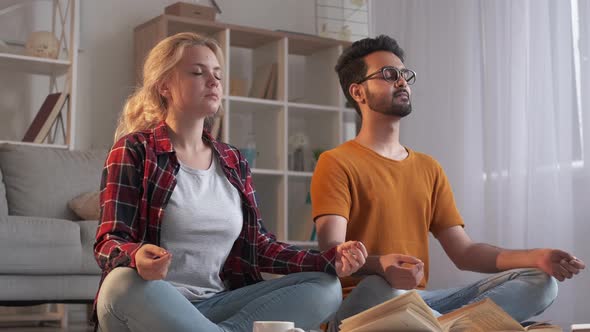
372 266
486 258
516 259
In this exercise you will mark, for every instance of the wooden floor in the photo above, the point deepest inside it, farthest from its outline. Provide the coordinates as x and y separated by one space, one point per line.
47 328
23 319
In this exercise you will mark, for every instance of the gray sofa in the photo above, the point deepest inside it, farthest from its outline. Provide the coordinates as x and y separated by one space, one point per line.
45 250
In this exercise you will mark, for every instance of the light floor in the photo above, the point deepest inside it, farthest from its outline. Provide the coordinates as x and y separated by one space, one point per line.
77 317
48 328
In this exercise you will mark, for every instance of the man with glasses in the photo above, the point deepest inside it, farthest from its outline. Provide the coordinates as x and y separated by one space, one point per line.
377 191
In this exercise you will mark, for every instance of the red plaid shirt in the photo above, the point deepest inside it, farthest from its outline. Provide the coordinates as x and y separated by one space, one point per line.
137 181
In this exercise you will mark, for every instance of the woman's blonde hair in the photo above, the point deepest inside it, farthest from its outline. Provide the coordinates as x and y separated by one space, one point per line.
146 107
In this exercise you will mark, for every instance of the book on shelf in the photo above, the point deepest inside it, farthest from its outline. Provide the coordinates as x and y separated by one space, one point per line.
238 87
264 81
408 312
271 88
46 116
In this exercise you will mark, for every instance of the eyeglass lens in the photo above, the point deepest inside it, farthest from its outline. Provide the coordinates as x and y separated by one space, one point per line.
392 74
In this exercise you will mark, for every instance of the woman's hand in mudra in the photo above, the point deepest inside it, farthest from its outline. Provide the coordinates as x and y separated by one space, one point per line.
152 262
350 257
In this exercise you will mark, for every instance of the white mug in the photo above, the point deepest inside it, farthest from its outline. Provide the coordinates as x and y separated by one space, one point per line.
275 326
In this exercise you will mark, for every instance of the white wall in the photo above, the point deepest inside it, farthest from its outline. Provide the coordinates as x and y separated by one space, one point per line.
105 67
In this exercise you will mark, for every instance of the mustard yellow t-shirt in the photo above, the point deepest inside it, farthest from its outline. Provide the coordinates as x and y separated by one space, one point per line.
390 205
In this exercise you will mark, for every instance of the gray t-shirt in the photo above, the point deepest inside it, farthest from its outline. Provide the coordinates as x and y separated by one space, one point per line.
201 223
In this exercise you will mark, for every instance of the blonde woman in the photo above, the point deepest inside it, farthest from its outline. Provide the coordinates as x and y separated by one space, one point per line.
180 240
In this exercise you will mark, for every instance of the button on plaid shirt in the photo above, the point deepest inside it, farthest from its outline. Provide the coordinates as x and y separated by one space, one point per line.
137 181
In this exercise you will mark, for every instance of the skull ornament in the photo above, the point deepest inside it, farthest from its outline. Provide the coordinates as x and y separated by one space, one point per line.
42 44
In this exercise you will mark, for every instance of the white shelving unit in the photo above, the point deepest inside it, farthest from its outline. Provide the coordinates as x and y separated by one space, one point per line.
61 72
308 101
34 65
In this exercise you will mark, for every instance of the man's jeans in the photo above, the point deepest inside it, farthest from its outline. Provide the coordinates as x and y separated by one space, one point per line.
522 293
128 303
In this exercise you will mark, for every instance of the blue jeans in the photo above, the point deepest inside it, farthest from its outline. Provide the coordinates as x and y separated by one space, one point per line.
128 303
522 293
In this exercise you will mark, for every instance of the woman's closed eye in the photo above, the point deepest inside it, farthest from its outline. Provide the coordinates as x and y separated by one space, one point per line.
217 75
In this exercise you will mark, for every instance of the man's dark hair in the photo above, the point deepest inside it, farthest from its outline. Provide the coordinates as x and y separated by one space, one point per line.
351 66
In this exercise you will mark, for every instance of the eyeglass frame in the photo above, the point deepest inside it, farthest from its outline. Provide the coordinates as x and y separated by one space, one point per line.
382 71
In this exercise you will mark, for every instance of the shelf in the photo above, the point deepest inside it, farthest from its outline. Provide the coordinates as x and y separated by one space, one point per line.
270 196
33 65
30 79
266 171
247 37
300 174
255 100
302 44
258 126
256 65
256 105
295 106
305 244
319 129
300 223
178 24
312 79
241 36
9 3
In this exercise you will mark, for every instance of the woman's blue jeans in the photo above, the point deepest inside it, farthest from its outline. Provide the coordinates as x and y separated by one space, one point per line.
129 303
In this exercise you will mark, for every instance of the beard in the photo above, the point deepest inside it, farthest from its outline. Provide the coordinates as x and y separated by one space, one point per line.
387 106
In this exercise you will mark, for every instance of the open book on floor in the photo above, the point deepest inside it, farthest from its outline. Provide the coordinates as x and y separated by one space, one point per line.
409 313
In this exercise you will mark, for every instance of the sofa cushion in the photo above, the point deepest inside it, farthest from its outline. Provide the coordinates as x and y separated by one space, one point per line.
88 235
86 205
3 204
33 245
41 180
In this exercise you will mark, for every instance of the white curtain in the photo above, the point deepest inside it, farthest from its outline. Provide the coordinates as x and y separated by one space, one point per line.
502 100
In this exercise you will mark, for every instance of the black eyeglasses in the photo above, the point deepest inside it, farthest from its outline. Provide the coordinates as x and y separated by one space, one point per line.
392 74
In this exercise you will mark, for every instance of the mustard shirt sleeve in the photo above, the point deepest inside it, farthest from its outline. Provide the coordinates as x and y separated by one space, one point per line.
330 188
445 212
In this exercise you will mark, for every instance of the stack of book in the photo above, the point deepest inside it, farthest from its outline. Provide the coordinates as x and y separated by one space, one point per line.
409 313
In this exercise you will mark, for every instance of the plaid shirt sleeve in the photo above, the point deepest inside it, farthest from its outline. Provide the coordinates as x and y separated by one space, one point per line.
278 257
117 237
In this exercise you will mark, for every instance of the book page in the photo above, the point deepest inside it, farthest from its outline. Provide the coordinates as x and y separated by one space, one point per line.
407 320
484 315
462 324
388 307
543 327
426 314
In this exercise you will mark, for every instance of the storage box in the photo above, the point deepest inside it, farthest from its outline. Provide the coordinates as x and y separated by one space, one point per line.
191 10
